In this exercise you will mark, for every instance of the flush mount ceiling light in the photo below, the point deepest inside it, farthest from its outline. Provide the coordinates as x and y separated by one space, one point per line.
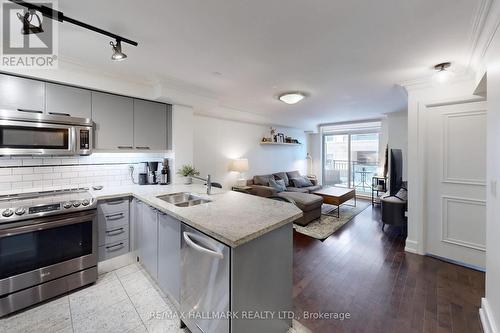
118 55
29 28
442 73
26 19
291 97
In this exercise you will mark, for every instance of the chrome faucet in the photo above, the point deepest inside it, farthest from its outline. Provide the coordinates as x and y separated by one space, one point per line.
208 181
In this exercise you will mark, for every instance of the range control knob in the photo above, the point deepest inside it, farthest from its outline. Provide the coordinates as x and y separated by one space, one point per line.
67 205
20 211
7 213
76 203
85 202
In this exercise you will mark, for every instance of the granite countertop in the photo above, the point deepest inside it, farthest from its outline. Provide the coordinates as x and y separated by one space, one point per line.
231 217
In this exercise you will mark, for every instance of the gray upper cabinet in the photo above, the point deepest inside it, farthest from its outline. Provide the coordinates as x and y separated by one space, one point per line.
114 119
67 100
20 93
150 125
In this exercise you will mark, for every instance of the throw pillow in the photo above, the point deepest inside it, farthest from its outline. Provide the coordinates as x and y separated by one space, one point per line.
282 176
293 174
278 184
301 182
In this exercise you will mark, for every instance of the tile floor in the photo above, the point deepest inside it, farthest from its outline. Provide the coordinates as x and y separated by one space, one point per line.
121 301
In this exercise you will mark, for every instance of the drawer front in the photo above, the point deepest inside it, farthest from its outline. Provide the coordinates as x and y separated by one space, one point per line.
113 220
111 206
114 235
116 249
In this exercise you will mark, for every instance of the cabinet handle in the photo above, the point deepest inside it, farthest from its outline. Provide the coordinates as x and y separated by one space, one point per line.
112 247
29 111
142 147
115 202
125 147
60 114
114 216
120 230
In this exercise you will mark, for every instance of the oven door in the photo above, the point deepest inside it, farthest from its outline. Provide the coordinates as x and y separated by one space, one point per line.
36 138
37 251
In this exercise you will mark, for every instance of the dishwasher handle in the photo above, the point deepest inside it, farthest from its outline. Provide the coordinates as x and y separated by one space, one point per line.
188 237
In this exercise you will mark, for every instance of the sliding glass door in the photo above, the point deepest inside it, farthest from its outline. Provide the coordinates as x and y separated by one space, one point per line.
350 160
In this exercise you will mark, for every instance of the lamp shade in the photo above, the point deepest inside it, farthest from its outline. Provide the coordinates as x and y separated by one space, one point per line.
240 165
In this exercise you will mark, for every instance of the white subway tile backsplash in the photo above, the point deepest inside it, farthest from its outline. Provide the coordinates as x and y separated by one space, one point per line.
22 171
40 172
43 170
10 179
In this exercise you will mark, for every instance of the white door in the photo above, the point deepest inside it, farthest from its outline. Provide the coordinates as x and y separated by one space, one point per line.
456 182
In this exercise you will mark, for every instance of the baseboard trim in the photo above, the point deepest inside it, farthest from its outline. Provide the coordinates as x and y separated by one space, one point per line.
411 246
487 319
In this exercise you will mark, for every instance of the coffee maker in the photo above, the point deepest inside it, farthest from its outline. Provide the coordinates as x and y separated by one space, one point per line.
152 170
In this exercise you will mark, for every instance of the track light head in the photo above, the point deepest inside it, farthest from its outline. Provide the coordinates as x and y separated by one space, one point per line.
118 55
28 27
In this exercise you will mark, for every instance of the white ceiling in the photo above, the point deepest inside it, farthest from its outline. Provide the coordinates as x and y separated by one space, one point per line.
347 55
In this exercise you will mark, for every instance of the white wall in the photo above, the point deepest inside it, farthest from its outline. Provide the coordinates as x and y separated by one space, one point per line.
314 147
490 308
394 133
218 141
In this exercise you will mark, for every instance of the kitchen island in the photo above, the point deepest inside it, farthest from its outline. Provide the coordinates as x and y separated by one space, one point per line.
226 264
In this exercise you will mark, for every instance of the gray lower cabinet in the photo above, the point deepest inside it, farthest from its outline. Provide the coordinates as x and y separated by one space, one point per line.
20 93
150 125
113 228
149 240
66 100
169 247
114 119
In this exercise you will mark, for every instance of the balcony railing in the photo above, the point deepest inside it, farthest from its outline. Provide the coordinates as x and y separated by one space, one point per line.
354 174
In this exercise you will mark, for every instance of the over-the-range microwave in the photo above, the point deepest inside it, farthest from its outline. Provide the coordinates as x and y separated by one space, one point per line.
25 132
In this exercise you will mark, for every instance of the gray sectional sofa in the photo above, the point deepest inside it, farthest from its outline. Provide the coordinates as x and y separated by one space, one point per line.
310 204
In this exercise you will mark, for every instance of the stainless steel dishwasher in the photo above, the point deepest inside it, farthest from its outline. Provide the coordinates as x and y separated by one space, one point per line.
205 282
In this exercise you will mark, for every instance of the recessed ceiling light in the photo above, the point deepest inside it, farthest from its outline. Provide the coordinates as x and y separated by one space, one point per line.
442 73
291 98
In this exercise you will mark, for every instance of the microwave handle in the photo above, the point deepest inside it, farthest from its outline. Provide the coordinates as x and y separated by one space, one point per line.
60 114
29 111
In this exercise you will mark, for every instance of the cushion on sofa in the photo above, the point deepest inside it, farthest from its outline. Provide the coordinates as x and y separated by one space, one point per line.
297 189
278 184
293 174
304 201
282 176
301 182
262 180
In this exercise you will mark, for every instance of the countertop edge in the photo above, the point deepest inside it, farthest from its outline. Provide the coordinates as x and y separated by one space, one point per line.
228 242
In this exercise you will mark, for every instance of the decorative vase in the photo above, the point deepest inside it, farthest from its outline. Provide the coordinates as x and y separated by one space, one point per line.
188 180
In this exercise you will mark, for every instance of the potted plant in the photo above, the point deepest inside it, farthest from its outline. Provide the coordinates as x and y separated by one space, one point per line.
187 171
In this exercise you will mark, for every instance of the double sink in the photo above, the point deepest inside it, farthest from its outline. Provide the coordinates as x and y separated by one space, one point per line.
183 199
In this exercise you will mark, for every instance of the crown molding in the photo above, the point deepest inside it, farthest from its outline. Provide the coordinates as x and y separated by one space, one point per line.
428 81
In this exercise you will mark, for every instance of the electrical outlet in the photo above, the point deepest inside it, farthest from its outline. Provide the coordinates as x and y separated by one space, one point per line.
131 168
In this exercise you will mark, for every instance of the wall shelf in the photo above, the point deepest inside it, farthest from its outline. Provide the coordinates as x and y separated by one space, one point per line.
280 144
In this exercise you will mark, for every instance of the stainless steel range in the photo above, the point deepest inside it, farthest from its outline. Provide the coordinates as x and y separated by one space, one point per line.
48 245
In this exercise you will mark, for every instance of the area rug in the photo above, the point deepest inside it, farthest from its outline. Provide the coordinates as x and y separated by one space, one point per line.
326 225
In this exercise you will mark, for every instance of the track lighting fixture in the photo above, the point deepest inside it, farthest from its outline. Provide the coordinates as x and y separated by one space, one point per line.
28 27
118 55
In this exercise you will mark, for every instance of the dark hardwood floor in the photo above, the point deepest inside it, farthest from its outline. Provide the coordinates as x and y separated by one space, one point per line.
365 272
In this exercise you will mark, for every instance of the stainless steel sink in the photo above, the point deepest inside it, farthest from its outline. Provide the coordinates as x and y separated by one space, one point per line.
183 199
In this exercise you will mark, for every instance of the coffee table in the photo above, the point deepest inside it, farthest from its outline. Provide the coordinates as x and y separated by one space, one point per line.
336 196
